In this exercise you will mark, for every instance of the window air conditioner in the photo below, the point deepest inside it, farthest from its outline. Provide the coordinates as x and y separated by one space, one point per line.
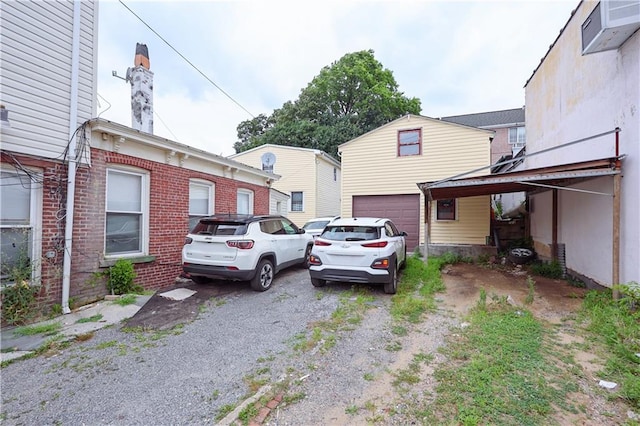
609 25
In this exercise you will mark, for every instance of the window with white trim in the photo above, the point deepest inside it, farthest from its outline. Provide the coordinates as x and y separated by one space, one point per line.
245 201
409 142
127 214
446 209
297 201
517 139
20 229
201 201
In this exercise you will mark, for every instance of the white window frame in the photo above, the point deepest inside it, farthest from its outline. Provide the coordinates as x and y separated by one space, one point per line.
244 192
519 139
291 202
35 218
211 193
144 220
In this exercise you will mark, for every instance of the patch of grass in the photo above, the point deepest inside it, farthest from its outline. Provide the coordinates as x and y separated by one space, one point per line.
248 413
369 377
45 328
224 410
352 410
394 346
547 269
127 299
419 283
501 370
109 344
616 325
293 398
93 318
399 330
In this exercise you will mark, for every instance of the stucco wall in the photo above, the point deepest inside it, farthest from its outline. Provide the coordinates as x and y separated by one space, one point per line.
571 97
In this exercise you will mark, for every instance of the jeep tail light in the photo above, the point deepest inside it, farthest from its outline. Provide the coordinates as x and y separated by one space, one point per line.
379 244
240 244
188 240
321 243
380 263
314 260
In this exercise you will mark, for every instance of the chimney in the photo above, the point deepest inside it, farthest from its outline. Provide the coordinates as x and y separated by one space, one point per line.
141 79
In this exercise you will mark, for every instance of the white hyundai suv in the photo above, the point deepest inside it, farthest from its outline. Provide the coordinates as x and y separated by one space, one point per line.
359 250
244 248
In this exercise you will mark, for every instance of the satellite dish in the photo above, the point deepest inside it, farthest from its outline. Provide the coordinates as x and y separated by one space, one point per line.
268 159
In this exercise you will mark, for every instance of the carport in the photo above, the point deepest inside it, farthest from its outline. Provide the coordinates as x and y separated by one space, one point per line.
531 181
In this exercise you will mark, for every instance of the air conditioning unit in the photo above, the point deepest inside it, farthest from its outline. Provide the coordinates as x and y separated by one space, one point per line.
610 24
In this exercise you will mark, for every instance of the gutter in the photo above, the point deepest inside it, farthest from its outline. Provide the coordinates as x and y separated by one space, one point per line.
71 178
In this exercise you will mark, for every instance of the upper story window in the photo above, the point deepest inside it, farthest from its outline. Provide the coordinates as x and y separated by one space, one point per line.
201 201
446 209
335 174
244 201
297 201
409 142
127 213
20 229
517 139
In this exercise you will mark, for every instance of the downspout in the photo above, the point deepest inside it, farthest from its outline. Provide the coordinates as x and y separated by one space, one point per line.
71 178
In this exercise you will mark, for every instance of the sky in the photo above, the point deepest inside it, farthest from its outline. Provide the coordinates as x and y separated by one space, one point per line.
249 57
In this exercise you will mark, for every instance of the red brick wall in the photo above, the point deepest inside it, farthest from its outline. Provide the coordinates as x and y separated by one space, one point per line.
54 186
168 222
168 219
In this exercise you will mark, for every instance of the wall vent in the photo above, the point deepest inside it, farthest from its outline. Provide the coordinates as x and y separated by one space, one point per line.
609 25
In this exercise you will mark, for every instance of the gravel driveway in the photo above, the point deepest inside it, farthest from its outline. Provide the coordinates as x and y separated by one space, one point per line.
189 374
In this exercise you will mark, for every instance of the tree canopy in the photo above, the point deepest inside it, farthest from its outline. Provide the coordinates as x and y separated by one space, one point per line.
347 99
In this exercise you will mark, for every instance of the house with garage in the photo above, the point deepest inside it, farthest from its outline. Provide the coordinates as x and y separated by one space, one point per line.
310 177
79 193
581 170
381 168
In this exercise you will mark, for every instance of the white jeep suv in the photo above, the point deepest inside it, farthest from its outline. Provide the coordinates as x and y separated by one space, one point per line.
244 248
359 250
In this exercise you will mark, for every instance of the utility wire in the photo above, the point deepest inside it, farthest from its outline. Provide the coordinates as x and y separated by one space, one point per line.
186 60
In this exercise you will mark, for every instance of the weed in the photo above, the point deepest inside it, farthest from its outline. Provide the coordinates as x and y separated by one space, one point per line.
292 399
121 276
126 299
45 328
399 330
531 293
369 377
351 410
109 344
18 302
248 413
394 346
224 410
93 318
547 269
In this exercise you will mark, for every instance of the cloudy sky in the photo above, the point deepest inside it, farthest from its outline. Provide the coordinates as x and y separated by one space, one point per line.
456 57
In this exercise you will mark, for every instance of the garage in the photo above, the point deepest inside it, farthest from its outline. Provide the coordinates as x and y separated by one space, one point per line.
403 210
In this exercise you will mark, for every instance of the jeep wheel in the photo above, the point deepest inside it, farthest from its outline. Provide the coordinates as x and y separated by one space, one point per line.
392 286
318 283
264 276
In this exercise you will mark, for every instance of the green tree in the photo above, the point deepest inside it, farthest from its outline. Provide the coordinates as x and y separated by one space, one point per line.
347 99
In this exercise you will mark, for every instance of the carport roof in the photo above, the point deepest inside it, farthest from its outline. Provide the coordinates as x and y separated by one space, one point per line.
520 181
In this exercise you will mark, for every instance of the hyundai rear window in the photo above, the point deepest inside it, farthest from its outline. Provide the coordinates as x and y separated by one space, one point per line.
219 228
351 233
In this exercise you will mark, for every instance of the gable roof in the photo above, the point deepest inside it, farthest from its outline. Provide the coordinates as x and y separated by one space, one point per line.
492 119
404 117
317 152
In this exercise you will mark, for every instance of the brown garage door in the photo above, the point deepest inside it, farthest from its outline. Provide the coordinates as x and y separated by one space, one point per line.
403 210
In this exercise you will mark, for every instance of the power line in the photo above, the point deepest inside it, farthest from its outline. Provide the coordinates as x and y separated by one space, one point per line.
186 60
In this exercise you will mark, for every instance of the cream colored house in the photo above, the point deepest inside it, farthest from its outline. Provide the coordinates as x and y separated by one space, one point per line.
381 170
310 177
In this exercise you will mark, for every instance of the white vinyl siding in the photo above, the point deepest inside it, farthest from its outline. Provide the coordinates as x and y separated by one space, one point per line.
371 166
36 73
327 189
127 206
